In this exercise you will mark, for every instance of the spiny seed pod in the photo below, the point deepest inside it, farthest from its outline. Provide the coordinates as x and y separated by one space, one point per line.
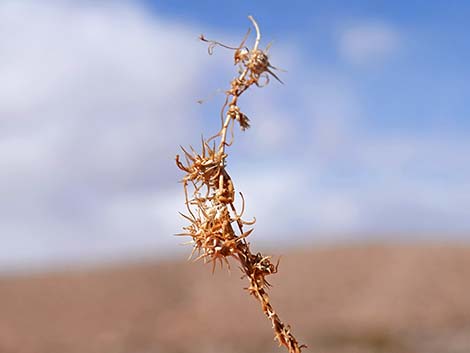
217 231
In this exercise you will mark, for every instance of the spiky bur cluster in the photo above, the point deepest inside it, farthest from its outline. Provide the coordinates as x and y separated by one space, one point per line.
216 228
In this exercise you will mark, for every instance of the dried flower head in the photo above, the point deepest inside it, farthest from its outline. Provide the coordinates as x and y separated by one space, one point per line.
216 229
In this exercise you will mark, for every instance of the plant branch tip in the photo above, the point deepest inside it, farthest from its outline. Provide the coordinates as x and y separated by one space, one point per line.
217 231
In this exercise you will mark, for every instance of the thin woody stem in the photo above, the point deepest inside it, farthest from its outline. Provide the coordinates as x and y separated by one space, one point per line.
213 222
258 33
228 116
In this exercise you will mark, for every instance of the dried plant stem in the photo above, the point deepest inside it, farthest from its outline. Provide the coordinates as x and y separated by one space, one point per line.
258 33
210 204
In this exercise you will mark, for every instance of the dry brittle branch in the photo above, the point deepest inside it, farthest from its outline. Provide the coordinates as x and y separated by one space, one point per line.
217 230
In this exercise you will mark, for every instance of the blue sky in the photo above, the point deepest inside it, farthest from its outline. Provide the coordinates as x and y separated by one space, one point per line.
366 141
431 67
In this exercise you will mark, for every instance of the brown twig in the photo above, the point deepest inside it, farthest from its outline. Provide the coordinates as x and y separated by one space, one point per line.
212 214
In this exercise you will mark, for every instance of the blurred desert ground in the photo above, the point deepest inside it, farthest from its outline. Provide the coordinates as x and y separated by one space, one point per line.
364 298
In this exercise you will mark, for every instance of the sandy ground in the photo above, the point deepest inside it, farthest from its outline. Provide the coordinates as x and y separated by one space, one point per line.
385 299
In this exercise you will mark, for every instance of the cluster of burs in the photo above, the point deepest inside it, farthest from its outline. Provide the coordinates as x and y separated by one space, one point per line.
216 229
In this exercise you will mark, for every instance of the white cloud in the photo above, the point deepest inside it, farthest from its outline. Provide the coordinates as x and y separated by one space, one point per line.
273 130
90 118
333 110
369 42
